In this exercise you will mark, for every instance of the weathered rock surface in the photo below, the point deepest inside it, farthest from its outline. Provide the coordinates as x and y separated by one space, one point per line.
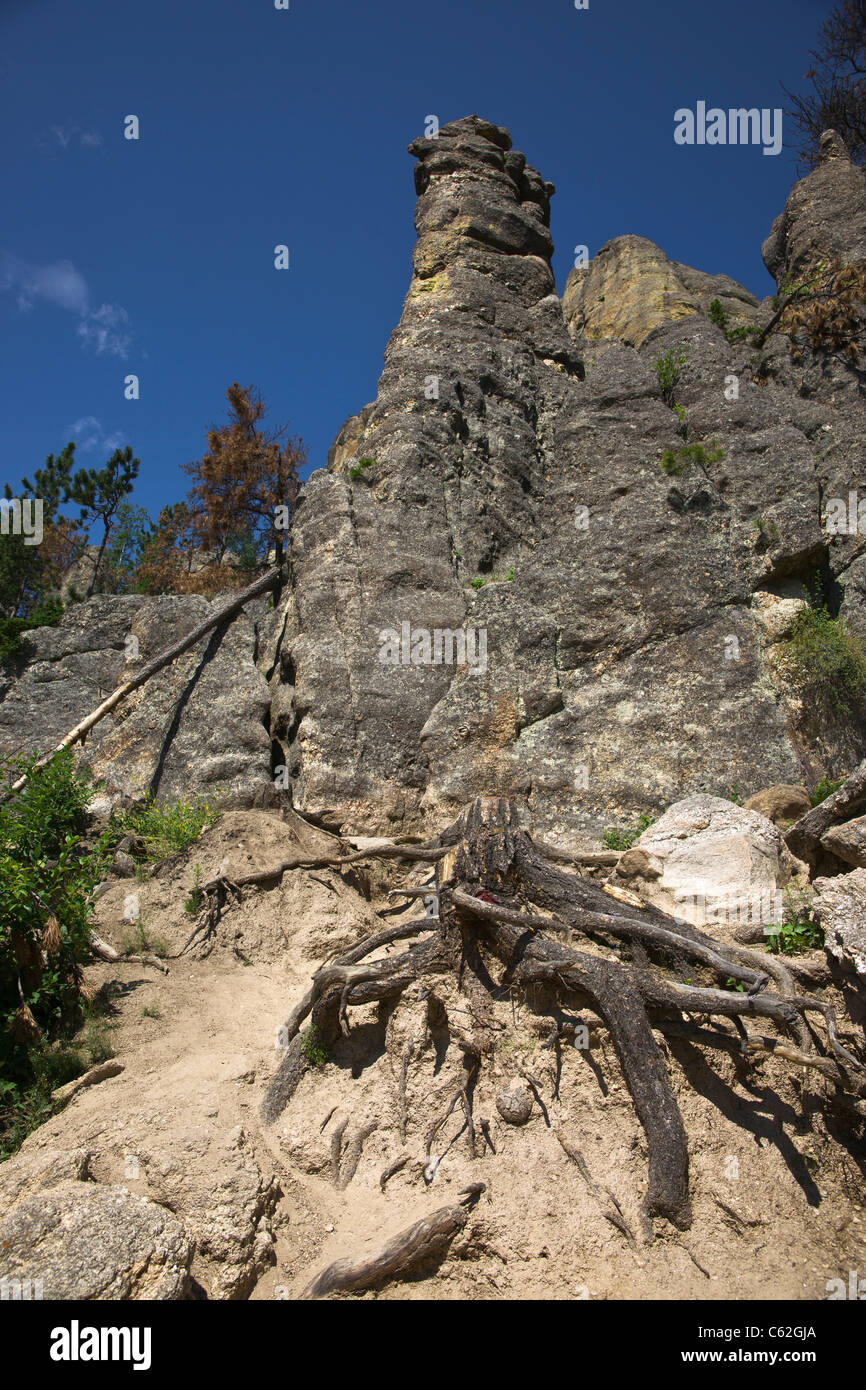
516 490
198 726
840 908
631 287
847 842
82 1240
711 863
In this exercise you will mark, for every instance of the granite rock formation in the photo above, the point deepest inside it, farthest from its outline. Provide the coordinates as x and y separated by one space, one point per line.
507 480
622 625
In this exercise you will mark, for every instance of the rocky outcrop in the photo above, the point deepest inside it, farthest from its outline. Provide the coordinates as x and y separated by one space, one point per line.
523 572
824 217
507 481
630 287
198 726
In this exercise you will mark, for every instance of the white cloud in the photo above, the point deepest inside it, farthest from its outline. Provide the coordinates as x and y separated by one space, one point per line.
58 284
65 136
105 330
89 435
102 330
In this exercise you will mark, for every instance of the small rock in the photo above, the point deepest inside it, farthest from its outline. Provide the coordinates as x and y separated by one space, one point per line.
514 1103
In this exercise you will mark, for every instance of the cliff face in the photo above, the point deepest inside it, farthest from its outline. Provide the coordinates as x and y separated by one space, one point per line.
627 657
504 491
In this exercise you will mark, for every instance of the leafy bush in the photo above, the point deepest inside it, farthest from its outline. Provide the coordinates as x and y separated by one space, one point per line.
716 314
164 830
797 933
624 839
47 876
357 470
823 662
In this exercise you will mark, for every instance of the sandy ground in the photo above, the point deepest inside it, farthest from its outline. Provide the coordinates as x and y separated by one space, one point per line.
777 1183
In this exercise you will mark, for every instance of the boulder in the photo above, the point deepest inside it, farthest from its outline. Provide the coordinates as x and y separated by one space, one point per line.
713 864
839 907
82 1240
782 804
847 842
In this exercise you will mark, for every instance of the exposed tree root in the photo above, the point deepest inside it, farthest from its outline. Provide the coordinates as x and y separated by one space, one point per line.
610 1207
508 922
427 1237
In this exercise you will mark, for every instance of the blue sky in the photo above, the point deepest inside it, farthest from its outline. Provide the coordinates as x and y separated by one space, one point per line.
261 126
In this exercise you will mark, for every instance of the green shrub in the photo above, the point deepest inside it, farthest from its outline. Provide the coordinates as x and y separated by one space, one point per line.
676 462
798 932
624 839
669 368
357 470
312 1048
47 874
763 527
717 315
823 663
478 582
823 789
165 829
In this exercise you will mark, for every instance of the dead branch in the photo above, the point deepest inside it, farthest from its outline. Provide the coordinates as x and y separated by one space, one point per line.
428 1237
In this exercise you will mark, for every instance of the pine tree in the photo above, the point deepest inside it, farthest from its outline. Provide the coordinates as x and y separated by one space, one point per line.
245 486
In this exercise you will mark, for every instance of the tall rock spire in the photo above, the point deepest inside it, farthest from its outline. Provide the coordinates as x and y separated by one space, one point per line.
509 488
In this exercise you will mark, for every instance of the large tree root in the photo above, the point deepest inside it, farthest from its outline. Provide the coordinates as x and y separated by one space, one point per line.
428 1237
508 922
